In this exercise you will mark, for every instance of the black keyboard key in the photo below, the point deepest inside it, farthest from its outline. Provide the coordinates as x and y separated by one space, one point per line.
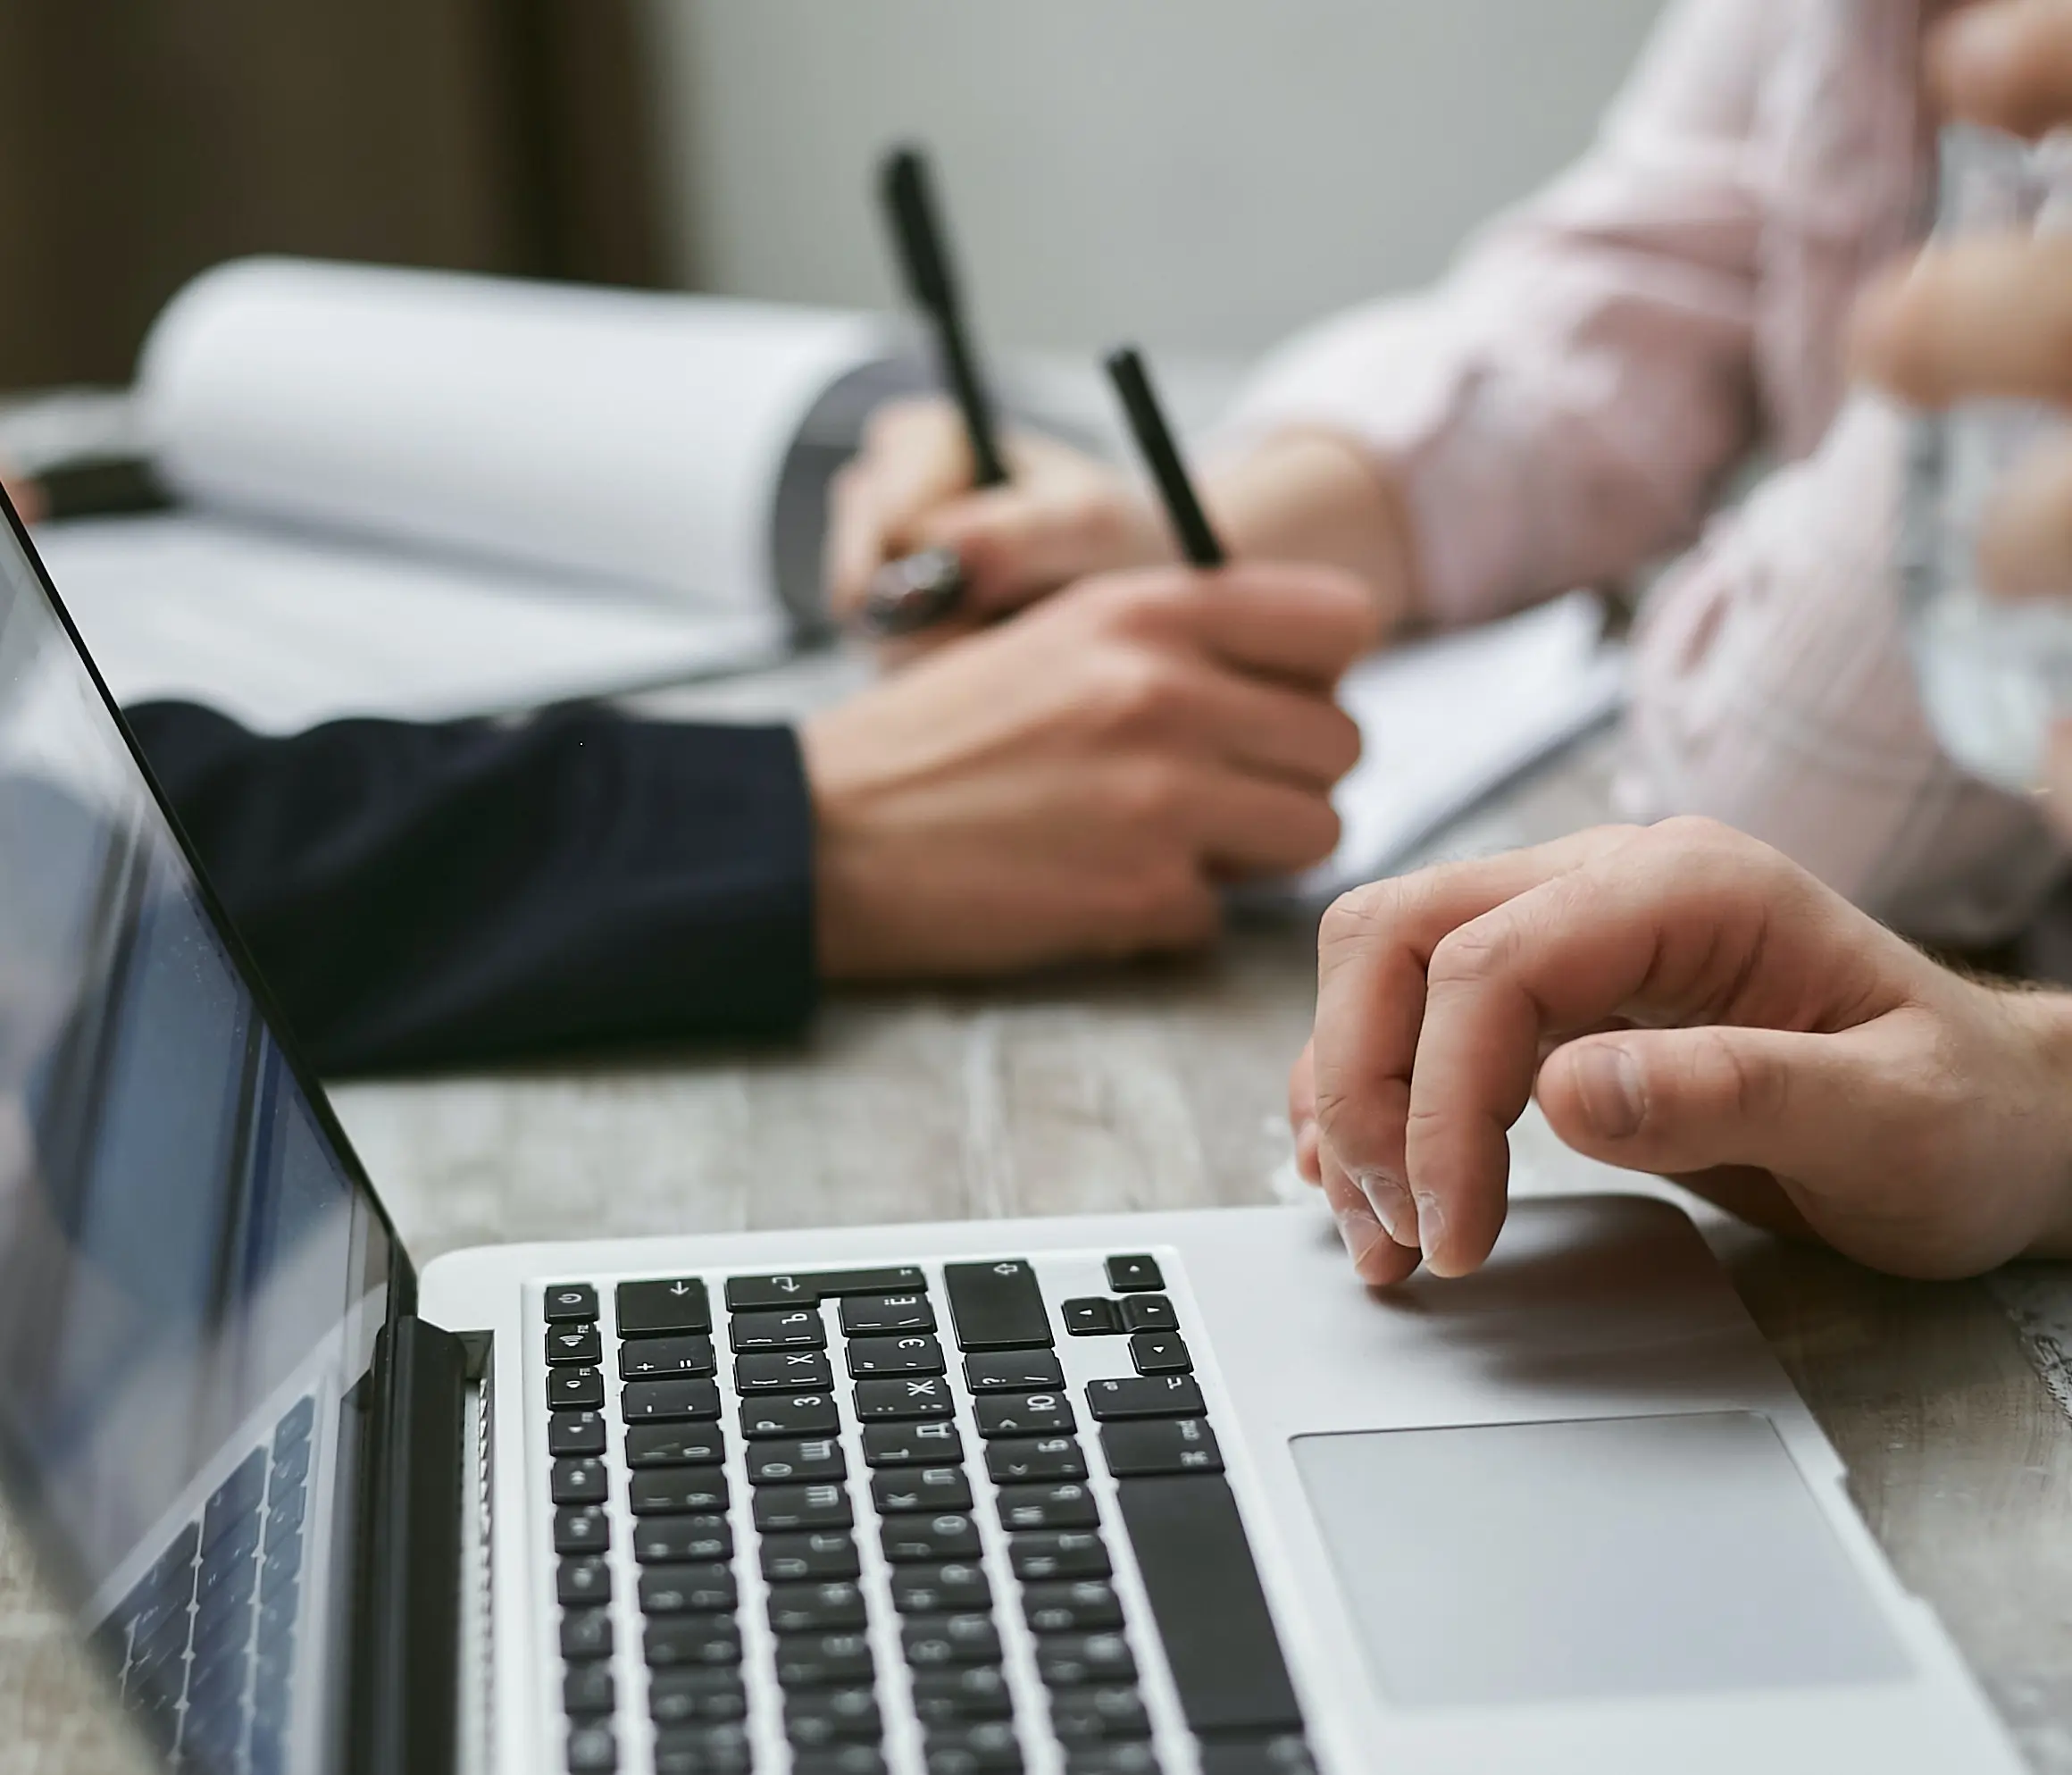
818 1716
678 1491
997 1306
592 1750
1064 1503
669 1401
915 1353
589 1689
584 1583
233 1546
675 1445
669 1540
835 1660
295 1425
1127 1757
290 1464
1149 1312
795 1558
800 1328
749 1293
571 1300
1082 1660
699 1588
1092 1316
580 1482
577 1344
654 1309
933 1641
899 1490
987 1748
1280 1753
585 1634
957 1693
782 1510
1160 1352
1085 1605
1031 1414
1086 1716
1146 1446
841 1759
691 1642
794 1461
1145 1396
1047 1555
913 1397
575 1389
783 1371
1134 1275
581 1531
864 1314
571 1433
697 1697
929 1540
277 1570
702 1750
236 1499
1198 1571
1012 1370
956 1587
929 1443
817 1608
805 1414
664 1358
1012 1461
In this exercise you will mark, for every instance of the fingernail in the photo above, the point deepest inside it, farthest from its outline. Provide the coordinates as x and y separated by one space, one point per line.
1430 1225
1392 1204
1610 1085
1359 1232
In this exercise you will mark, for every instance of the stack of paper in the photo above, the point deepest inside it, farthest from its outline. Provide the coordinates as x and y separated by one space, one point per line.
1445 722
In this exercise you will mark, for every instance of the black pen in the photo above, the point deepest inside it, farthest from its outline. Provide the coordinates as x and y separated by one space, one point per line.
1132 383
921 588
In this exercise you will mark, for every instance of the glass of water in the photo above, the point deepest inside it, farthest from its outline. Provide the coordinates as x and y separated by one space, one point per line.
1994 674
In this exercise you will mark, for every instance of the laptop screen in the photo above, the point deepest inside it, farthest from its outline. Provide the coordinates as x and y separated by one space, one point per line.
190 1277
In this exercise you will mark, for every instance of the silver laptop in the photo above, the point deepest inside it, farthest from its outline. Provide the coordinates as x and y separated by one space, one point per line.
1084 1496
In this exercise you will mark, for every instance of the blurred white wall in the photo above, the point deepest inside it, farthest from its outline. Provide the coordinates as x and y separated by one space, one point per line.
1203 174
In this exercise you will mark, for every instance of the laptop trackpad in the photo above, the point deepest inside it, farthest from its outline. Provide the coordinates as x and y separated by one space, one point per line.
1618 1556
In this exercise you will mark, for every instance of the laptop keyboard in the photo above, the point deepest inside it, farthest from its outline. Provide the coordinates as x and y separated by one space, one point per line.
872 1525
204 1643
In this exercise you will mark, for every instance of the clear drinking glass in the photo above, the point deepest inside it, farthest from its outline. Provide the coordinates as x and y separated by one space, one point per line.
1992 674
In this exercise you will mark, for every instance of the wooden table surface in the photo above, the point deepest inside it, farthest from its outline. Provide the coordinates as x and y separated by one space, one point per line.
1161 1087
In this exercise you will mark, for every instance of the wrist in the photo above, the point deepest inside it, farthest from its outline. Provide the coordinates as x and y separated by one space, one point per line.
1319 496
2044 1023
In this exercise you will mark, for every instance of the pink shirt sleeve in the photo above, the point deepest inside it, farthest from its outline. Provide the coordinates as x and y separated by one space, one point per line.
1560 410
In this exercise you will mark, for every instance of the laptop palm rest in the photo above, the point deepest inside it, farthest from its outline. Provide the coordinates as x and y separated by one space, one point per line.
1611 1557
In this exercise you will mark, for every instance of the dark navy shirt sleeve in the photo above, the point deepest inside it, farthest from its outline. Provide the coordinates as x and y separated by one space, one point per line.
429 895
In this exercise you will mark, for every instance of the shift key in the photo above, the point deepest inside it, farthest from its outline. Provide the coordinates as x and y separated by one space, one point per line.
997 1306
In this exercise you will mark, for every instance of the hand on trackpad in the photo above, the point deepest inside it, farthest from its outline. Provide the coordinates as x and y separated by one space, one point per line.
1616 1556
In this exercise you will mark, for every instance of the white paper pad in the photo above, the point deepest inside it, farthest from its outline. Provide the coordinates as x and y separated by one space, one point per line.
281 630
613 435
1445 722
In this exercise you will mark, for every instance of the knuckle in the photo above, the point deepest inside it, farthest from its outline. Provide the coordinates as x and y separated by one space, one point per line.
1138 685
1360 915
1740 1085
1471 955
1149 792
897 422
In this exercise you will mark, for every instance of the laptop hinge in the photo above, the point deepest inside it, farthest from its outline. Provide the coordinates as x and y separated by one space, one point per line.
405 1662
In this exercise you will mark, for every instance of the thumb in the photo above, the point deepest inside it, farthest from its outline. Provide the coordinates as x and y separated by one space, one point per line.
1682 1101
